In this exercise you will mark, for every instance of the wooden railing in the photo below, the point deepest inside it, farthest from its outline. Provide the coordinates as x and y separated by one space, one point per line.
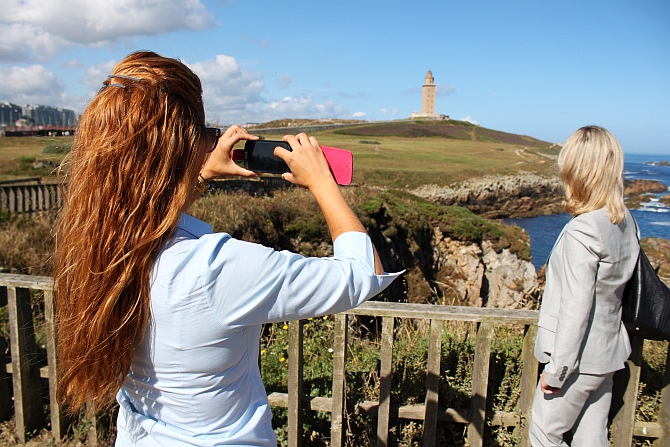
29 196
27 371
32 195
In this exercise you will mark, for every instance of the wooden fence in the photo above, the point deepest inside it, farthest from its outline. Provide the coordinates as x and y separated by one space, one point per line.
29 196
27 372
32 195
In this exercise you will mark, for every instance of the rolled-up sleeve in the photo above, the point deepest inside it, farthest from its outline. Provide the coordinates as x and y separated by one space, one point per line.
247 284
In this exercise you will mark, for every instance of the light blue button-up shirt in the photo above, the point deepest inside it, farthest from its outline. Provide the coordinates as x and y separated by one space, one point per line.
195 379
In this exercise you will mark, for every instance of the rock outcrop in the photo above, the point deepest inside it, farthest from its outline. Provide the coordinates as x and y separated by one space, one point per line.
523 195
475 274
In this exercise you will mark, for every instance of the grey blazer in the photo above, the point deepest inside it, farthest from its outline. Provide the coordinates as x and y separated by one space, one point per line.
580 325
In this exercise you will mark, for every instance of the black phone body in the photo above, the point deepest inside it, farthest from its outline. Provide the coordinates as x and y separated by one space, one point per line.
259 156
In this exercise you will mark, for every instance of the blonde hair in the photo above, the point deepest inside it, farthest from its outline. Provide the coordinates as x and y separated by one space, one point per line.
132 168
590 168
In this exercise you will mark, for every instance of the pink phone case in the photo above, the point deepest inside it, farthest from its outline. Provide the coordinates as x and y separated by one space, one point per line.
341 163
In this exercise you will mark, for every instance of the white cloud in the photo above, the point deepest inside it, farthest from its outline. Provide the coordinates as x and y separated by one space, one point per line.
387 111
358 114
31 85
96 74
469 120
304 107
284 80
231 93
40 28
73 63
18 41
444 90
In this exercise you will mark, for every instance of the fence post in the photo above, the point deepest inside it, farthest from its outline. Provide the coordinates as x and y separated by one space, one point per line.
339 381
12 200
58 421
480 381
25 370
528 382
5 383
624 420
4 199
664 411
432 383
295 391
32 206
385 374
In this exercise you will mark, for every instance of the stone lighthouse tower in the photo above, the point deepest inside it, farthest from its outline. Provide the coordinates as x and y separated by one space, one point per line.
428 95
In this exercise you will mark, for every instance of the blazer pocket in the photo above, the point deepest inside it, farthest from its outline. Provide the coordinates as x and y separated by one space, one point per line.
548 322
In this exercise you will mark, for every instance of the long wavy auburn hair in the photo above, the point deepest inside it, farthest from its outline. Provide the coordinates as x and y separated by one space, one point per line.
132 168
590 168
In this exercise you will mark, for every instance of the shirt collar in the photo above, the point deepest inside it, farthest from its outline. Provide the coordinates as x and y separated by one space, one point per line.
190 226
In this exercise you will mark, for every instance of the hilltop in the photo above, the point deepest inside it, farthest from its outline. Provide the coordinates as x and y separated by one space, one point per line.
403 154
413 153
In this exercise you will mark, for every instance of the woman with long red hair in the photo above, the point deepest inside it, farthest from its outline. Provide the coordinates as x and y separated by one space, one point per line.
154 309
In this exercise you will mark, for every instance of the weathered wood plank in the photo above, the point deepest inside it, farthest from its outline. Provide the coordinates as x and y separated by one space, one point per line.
295 391
94 434
455 313
412 412
528 382
664 410
5 385
58 420
432 382
25 370
629 379
648 430
385 373
480 380
44 371
26 281
339 381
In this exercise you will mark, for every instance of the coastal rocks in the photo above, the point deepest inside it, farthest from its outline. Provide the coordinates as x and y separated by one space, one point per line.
636 191
638 186
512 282
474 274
523 195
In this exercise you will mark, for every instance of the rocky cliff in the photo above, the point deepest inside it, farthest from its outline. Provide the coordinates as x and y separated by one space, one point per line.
522 195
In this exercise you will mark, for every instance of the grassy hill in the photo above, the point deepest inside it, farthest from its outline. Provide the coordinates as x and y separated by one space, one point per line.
399 154
410 153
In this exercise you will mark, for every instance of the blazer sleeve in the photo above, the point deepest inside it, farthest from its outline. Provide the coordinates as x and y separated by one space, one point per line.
581 248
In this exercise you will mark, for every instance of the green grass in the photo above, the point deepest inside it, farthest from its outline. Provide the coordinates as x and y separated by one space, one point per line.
16 151
434 156
400 154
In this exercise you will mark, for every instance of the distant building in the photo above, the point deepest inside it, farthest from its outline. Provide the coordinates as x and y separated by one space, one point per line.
428 100
10 113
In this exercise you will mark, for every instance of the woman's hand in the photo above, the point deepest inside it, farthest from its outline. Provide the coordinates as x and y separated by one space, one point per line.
307 163
220 162
546 388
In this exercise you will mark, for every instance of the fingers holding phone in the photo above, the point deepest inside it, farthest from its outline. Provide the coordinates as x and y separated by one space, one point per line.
220 162
307 164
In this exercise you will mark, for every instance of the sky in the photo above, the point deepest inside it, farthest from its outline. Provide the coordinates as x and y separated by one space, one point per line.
540 68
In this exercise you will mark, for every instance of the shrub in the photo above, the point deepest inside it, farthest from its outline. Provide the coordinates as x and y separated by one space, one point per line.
57 148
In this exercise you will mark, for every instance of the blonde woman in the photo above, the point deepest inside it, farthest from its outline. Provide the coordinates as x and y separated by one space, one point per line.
151 306
581 338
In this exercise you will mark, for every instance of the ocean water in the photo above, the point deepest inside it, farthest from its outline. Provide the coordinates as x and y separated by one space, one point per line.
653 217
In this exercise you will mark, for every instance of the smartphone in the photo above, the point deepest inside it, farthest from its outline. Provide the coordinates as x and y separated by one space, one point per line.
259 156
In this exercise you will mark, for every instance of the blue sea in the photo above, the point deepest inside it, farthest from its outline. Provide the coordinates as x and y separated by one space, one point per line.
653 217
